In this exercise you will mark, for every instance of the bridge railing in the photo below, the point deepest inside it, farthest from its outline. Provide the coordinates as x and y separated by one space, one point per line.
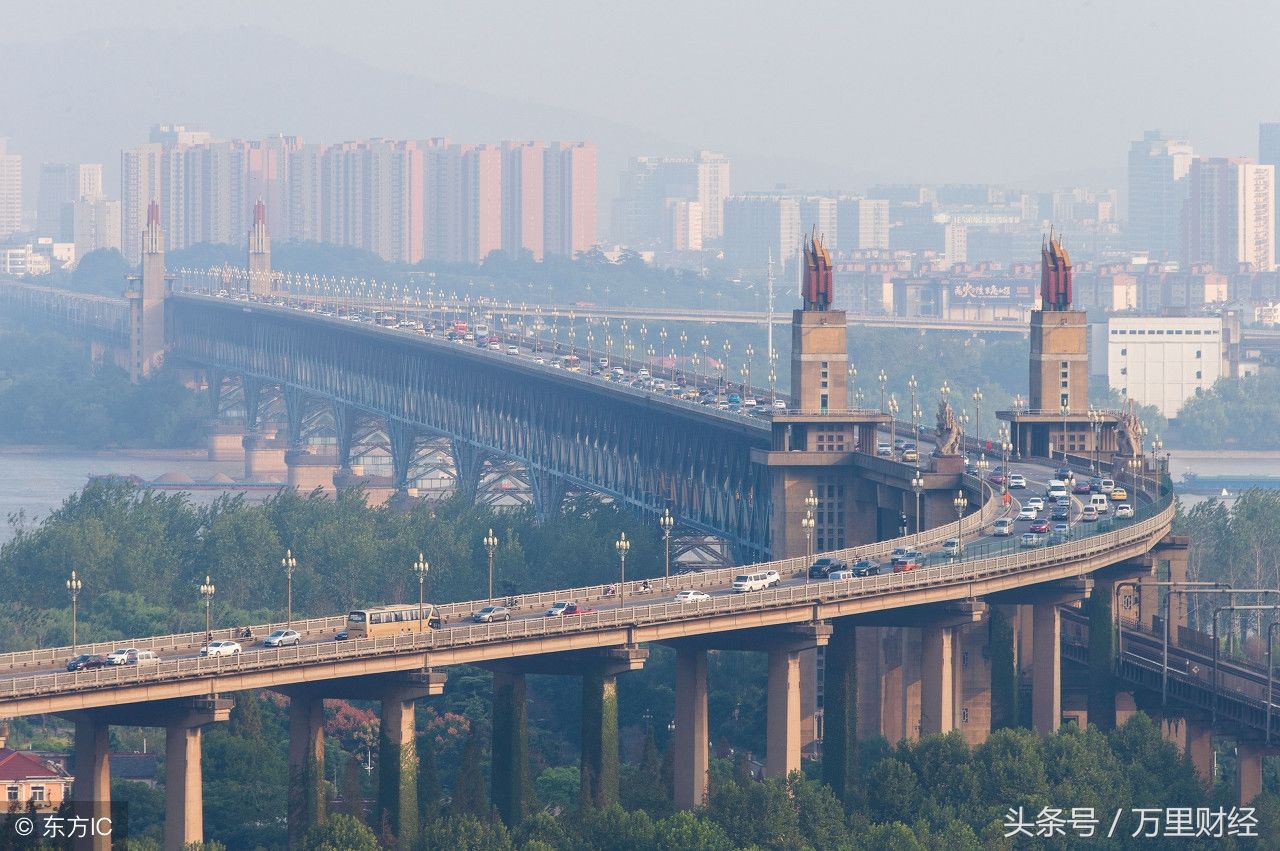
720 577
959 572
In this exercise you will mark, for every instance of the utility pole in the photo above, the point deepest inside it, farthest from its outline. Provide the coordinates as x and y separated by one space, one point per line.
769 304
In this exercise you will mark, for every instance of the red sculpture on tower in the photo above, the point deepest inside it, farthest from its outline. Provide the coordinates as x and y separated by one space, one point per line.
815 291
1055 276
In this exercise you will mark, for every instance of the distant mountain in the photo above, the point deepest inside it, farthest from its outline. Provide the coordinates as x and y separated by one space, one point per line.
86 96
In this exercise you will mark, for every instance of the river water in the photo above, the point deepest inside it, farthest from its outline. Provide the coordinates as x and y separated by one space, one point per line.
36 481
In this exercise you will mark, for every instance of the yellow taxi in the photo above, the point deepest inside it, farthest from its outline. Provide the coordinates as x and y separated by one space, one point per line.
1119 494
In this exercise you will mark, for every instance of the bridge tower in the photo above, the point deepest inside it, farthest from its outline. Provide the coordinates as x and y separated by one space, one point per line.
819 435
146 295
260 281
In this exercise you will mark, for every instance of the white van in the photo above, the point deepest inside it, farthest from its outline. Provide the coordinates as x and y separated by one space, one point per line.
1057 490
757 581
1002 528
1100 502
1107 485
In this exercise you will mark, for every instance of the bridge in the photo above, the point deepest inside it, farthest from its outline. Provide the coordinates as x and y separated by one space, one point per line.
899 648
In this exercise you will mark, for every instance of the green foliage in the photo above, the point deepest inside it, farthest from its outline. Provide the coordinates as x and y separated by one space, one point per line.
465 833
52 393
1240 413
469 795
102 272
338 833
558 786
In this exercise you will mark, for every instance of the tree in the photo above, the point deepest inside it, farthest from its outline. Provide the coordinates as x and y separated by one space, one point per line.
339 832
104 272
687 831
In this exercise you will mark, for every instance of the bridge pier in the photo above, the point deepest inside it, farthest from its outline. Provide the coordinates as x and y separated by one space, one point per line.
92 789
1250 756
468 465
183 799
548 493
264 456
937 693
310 468
840 711
692 746
398 755
1046 673
600 755
306 763
510 751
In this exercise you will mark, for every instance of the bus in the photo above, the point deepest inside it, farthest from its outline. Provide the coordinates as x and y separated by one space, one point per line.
391 620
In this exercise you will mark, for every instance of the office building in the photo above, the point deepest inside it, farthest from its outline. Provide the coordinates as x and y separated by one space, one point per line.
95 225
863 224
1230 215
819 212
1158 166
757 227
1160 360
10 191
712 174
640 213
684 225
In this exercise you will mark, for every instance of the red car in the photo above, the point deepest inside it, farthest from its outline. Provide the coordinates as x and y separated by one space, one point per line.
1039 526
996 478
905 564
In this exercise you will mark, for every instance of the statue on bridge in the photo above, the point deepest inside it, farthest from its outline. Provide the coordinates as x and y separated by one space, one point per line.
1129 434
948 430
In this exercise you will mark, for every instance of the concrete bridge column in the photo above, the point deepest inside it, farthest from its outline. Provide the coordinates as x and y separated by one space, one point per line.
840 711
599 767
398 766
783 728
306 764
1046 673
692 745
468 465
183 795
937 692
1249 761
510 757
92 790
1200 749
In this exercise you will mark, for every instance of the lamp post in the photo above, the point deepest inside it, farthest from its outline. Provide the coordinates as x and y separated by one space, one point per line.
490 547
977 415
1004 452
289 563
1018 404
1066 409
893 421
807 523
705 342
1135 463
207 591
420 567
622 545
73 588
666 522
913 386
883 379
917 485
853 379
811 506
960 503
773 387
1157 446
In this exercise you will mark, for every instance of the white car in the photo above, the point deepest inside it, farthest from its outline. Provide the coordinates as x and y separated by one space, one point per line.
692 595
1017 480
951 547
120 656
282 638
220 648
779 405
1028 512
1124 510
1002 528
1036 502
512 350
540 360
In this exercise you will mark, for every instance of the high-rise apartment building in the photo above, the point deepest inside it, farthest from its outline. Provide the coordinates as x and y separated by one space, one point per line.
10 191
570 197
863 223
443 219
1158 166
757 227
1230 215
819 212
684 225
95 224
713 187
1269 154
304 203
523 204
640 214
481 202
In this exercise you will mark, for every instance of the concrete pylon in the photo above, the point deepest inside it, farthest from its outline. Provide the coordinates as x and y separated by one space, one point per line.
937 691
782 745
692 745
1200 750
1249 760
398 766
841 711
1046 673
92 790
510 752
184 799
306 764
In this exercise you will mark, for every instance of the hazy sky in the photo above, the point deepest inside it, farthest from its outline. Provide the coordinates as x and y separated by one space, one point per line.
1001 90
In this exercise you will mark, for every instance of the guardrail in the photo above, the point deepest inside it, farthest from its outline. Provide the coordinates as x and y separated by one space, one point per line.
957 573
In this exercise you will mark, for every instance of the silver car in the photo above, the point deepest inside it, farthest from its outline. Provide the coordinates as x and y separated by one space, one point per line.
282 638
492 614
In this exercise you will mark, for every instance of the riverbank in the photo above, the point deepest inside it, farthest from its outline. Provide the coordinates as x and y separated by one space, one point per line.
193 454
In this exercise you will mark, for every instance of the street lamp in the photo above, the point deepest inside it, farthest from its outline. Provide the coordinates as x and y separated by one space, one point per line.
917 485
1066 409
977 415
1004 452
913 385
490 547
893 421
807 523
961 503
622 545
811 503
1018 404
420 567
773 387
207 591
666 522
883 379
73 587
916 416
1095 420
1157 446
289 563
853 379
